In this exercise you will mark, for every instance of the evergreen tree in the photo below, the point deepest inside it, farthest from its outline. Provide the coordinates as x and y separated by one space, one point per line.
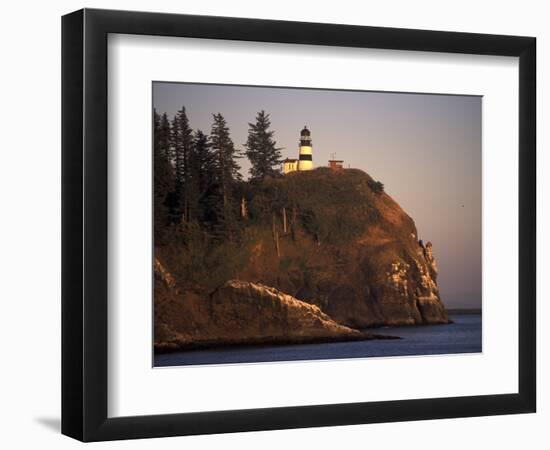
220 209
164 136
200 172
261 148
225 157
163 179
203 161
182 147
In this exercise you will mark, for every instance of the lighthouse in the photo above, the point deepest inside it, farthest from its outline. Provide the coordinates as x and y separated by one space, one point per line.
305 158
305 161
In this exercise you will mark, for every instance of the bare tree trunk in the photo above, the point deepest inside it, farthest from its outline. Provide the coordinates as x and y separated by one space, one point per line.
244 211
275 236
284 220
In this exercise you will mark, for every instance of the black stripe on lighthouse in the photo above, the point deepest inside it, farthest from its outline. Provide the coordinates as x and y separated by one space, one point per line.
306 158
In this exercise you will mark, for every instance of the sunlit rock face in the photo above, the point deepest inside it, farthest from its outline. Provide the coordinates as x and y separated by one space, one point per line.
427 295
363 264
415 287
267 313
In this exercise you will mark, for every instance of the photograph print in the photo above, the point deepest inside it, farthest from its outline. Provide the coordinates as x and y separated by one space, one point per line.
296 224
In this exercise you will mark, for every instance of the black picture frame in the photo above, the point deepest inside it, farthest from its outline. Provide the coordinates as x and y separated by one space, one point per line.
84 224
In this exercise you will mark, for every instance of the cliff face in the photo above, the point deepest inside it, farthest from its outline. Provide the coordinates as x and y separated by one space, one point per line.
351 250
330 240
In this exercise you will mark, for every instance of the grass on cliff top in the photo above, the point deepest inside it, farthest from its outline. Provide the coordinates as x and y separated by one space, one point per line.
332 206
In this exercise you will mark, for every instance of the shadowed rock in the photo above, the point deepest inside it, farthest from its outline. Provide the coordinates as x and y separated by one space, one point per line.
241 312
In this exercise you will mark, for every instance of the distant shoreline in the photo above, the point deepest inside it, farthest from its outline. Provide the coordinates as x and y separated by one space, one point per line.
464 311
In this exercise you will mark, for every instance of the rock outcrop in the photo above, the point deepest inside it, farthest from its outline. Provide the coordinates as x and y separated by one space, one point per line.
320 253
240 312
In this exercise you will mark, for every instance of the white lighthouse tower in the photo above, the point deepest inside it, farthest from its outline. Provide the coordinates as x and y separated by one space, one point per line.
305 161
305 157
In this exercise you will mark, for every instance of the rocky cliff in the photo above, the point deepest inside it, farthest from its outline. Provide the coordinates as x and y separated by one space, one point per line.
238 312
320 253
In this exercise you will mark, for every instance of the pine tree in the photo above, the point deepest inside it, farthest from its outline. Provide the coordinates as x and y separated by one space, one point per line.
225 157
164 136
203 160
163 179
204 174
182 147
261 148
221 210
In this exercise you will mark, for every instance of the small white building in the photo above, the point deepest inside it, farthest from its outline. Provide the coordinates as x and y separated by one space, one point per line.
290 165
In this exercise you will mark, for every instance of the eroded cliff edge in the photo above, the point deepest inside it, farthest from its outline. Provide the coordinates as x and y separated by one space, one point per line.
333 241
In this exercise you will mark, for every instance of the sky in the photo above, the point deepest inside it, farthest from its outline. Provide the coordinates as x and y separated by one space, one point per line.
425 148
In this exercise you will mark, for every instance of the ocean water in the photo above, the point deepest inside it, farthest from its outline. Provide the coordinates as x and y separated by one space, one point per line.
462 336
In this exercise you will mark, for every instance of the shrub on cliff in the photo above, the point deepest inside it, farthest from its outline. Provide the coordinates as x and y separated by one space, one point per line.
376 186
